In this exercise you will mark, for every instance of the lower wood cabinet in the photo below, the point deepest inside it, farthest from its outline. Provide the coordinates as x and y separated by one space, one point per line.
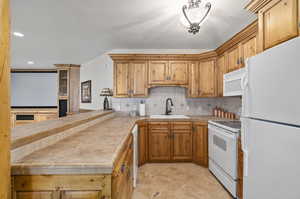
118 185
177 142
240 170
200 143
159 142
143 143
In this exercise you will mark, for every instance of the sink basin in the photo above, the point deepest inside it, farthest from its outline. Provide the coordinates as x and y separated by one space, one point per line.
169 117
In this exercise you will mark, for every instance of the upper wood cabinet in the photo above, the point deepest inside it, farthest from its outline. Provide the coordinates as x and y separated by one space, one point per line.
202 82
168 73
158 72
222 69
248 48
121 78
207 77
233 58
130 79
278 21
138 77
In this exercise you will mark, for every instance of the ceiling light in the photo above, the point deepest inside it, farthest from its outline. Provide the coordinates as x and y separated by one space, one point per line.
30 62
195 12
18 34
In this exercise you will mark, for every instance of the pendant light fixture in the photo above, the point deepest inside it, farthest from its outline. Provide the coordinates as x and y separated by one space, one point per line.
195 12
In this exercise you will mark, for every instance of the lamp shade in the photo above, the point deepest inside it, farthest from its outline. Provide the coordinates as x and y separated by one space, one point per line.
106 92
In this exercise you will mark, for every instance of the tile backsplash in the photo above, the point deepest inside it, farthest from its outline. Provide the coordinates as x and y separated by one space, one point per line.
156 103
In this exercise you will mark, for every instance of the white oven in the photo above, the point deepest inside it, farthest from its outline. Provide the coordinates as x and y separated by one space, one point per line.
223 156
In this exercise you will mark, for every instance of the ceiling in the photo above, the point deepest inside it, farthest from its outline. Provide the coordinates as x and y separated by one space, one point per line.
76 31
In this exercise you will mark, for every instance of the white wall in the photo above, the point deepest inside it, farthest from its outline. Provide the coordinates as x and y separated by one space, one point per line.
100 71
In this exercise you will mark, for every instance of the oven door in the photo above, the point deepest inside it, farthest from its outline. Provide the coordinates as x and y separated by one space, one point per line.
223 149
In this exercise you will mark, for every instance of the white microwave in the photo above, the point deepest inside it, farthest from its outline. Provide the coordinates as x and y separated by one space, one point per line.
233 82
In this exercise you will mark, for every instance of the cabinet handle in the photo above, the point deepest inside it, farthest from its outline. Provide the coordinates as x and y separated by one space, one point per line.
242 60
122 169
238 61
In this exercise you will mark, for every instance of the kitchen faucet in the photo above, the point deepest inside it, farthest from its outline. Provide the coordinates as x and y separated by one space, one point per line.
169 105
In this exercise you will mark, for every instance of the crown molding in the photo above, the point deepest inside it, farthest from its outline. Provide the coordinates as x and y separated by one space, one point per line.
182 57
255 5
248 32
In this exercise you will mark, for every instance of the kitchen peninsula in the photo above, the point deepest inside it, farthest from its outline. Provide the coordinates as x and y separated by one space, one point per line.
96 159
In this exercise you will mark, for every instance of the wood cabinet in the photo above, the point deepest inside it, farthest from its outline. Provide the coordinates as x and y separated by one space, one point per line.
60 187
143 143
181 135
168 73
248 48
121 79
278 21
138 78
69 86
202 82
117 185
170 141
159 141
233 58
200 143
130 79
221 70
207 78
240 170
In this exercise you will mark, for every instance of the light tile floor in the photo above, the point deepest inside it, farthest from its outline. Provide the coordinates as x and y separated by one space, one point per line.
177 181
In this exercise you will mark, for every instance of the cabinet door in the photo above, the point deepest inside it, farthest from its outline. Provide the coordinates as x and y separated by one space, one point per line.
181 134
178 72
121 79
81 195
240 170
233 59
158 71
248 49
193 89
138 77
207 78
200 144
222 69
278 22
159 142
143 144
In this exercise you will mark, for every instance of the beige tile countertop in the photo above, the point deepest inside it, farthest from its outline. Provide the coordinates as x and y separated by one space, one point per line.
91 151
25 134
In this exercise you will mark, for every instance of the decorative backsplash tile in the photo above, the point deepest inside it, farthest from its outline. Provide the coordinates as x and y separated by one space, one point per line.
156 103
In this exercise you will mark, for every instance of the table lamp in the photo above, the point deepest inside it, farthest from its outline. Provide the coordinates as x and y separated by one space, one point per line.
106 92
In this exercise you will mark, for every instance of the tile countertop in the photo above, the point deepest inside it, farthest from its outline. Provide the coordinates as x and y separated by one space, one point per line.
25 134
91 151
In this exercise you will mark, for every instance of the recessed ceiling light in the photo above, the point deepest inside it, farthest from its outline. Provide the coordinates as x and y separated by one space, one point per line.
30 62
18 34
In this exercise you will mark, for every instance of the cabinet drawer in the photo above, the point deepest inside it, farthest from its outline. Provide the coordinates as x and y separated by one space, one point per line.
181 125
158 126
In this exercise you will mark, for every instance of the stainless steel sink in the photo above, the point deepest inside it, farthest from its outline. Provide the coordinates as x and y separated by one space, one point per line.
169 117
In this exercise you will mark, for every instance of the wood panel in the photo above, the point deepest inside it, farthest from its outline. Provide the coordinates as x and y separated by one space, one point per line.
207 79
200 144
233 59
178 72
248 48
121 79
159 141
278 22
138 78
193 88
81 195
35 195
181 143
240 170
4 100
143 143
222 69
158 71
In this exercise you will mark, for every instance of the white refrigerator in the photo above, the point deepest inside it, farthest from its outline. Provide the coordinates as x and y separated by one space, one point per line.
271 123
